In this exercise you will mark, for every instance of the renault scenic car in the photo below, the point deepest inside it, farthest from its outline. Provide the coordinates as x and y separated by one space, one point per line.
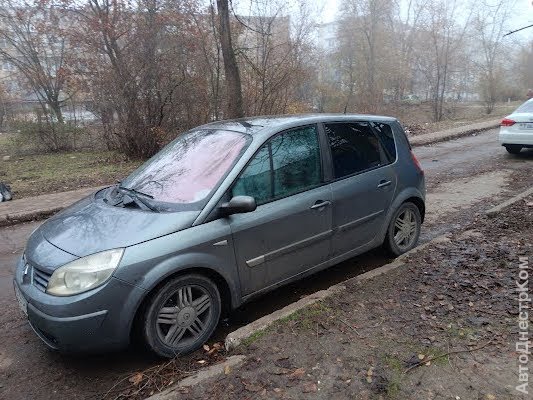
225 212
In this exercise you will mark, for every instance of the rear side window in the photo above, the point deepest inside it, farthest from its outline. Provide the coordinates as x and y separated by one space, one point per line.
354 148
384 132
287 164
527 107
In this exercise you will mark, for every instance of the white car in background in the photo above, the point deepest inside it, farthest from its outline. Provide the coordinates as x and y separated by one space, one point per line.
516 130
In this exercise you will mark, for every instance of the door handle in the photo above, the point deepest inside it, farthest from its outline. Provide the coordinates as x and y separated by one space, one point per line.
320 204
384 183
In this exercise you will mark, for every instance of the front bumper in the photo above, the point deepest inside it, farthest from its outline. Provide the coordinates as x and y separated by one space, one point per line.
97 320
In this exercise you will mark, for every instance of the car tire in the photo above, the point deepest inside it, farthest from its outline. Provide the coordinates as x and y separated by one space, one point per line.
513 148
404 229
181 315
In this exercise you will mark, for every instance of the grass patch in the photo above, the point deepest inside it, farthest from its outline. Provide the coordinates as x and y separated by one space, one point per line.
32 175
396 368
4 144
461 333
254 337
303 318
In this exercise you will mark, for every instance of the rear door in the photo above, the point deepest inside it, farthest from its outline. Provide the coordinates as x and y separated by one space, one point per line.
364 181
290 231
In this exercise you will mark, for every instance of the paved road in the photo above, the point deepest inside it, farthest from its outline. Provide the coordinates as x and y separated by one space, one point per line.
28 370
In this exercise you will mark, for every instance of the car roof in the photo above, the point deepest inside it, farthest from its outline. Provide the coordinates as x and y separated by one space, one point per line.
270 124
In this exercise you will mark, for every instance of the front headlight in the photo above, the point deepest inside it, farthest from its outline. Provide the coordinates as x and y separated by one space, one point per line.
84 274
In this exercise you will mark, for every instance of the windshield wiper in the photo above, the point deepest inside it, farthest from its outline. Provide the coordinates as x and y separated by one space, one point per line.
136 196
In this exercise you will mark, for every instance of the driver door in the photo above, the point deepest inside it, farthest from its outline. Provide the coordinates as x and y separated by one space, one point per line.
290 231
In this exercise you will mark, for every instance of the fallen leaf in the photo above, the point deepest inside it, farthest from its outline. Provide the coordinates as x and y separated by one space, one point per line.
227 370
421 356
297 374
310 387
206 347
136 379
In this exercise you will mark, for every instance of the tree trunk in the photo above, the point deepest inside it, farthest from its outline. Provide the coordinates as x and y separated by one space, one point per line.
234 108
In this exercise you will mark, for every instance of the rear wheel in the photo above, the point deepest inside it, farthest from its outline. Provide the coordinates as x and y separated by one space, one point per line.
513 148
181 316
404 229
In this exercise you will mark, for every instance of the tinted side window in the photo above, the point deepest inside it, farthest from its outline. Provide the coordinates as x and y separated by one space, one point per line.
255 179
287 164
354 148
384 132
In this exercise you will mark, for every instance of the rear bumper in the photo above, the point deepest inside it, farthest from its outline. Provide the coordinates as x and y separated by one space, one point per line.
524 139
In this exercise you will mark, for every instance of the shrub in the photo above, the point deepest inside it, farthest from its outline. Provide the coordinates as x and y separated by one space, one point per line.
44 136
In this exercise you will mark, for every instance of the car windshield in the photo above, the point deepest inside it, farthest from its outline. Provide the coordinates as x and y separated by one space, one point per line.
190 167
527 107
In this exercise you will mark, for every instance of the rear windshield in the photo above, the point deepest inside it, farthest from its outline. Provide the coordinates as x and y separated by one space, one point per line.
527 107
188 169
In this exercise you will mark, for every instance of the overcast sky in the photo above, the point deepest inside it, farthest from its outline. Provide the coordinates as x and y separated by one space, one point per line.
523 15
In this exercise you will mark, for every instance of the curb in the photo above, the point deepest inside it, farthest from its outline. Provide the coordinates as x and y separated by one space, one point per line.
424 142
235 338
500 207
200 376
15 219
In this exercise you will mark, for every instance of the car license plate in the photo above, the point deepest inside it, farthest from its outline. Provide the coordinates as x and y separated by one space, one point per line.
23 304
526 125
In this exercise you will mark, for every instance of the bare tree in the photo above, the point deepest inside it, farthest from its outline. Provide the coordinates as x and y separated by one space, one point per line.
440 40
234 106
145 71
36 45
273 49
405 27
365 41
489 25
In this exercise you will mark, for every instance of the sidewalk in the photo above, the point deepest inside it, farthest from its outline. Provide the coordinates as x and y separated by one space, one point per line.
434 137
39 207
34 208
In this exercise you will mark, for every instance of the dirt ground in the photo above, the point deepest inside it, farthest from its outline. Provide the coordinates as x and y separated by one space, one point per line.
443 326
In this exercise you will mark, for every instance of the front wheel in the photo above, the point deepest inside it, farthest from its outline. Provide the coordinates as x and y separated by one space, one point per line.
404 229
513 148
181 316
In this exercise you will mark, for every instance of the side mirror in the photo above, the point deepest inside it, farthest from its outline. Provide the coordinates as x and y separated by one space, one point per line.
239 205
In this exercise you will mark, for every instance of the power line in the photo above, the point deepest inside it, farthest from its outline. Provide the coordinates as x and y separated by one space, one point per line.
518 30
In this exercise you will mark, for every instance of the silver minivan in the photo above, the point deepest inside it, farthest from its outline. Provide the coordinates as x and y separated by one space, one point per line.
224 213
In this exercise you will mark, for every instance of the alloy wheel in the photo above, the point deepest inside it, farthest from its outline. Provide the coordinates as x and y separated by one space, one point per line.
184 316
405 229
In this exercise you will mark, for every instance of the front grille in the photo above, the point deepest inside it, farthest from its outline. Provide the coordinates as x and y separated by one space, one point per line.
40 279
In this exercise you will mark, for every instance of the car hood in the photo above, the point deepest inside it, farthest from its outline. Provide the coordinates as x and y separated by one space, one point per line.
90 226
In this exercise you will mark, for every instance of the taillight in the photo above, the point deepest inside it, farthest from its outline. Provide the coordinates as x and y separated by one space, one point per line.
507 122
417 163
